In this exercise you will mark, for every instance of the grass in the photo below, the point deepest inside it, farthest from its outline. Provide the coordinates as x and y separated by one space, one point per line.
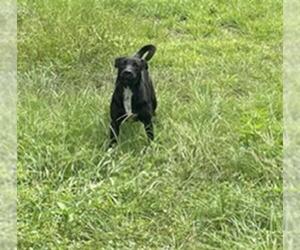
212 178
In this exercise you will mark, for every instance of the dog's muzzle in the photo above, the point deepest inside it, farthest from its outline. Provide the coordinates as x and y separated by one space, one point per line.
128 74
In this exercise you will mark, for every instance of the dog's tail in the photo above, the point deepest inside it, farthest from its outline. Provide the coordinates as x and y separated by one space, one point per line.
149 49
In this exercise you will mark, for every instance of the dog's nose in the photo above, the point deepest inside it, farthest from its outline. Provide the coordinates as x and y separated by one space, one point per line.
127 74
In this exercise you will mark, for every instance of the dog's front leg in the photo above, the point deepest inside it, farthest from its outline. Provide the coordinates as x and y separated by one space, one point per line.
148 125
149 130
114 132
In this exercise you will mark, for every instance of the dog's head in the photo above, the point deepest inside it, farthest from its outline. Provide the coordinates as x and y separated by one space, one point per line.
130 69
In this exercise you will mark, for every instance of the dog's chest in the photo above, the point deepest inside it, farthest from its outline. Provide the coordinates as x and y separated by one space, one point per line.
127 100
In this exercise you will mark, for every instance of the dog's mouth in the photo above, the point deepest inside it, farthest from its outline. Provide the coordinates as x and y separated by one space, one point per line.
127 78
128 81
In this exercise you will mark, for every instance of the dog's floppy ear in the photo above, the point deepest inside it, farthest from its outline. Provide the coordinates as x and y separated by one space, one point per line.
118 61
144 64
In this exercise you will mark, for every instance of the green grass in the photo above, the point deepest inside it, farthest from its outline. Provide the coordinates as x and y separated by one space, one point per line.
212 178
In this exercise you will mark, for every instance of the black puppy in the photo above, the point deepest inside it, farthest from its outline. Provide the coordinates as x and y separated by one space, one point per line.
134 93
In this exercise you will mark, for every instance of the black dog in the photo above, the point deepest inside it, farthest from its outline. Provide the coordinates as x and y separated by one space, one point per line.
134 93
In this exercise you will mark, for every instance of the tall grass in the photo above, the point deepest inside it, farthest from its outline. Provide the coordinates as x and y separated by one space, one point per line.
212 177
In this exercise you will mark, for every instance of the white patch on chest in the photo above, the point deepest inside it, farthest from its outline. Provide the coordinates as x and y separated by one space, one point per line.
127 97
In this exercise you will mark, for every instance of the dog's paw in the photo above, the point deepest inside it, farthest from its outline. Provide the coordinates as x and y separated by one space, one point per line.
111 146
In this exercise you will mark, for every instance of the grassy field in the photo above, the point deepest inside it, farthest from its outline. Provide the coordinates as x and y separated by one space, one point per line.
212 178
